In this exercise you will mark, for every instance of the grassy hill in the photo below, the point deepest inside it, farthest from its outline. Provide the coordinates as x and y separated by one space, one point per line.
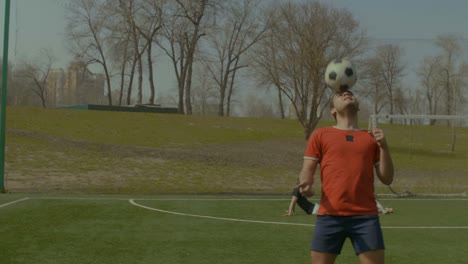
59 150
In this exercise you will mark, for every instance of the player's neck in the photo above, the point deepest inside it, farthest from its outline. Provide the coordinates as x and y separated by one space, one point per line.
346 123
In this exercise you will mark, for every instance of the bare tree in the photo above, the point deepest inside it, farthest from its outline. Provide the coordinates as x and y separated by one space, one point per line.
303 38
412 103
428 72
89 33
382 78
125 51
132 34
129 11
19 88
185 24
172 44
450 76
148 25
121 56
401 101
193 11
464 88
204 95
372 84
237 30
257 106
391 69
38 73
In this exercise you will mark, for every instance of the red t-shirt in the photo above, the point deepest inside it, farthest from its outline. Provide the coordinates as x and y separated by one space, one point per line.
347 159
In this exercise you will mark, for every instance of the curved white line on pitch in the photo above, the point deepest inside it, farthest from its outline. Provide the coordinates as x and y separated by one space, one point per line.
132 201
216 218
16 201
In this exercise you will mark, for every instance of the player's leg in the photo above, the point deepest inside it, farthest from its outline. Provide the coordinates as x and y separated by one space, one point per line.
366 236
372 257
322 258
328 239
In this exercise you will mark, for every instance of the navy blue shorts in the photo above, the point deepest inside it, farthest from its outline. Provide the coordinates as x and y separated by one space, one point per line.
330 233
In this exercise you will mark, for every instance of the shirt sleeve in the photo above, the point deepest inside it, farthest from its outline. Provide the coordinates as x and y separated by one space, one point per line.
313 149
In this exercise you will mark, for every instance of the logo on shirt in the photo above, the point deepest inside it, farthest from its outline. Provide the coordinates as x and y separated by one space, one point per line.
350 138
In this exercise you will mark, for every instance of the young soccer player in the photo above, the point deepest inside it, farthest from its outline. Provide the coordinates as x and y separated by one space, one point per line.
347 156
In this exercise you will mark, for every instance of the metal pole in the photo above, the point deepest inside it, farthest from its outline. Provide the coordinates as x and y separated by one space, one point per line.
4 95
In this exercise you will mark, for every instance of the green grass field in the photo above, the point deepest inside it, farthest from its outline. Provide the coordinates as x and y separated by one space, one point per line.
110 187
95 152
208 229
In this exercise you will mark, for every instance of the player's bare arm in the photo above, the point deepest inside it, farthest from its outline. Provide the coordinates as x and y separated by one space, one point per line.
385 167
292 204
306 177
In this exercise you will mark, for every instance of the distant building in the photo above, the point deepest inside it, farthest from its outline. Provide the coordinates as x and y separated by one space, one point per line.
74 86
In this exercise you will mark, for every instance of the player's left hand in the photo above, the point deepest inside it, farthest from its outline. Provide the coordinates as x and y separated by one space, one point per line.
379 137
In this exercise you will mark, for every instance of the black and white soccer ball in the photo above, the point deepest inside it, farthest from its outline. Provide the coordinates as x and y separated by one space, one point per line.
340 75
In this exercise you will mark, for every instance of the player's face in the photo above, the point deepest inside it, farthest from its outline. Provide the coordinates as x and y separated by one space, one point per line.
345 99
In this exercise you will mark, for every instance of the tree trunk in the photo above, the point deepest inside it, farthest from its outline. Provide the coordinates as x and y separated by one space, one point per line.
130 82
151 77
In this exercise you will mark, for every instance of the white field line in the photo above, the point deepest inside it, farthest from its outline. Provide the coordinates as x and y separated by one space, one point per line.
132 201
16 201
226 199
216 218
80 198
159 199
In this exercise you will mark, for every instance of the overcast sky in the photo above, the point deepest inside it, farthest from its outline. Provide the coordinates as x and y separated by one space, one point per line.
36 24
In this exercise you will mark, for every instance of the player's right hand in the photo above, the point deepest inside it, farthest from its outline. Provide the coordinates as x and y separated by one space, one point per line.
305 189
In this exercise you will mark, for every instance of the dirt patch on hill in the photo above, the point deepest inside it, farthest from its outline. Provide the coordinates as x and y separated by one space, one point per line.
237 167
141 169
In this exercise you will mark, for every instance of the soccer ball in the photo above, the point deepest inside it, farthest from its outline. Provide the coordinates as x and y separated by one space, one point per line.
340 75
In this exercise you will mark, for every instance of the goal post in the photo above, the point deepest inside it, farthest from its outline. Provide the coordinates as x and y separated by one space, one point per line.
423 120
420 117
3 95
429 153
